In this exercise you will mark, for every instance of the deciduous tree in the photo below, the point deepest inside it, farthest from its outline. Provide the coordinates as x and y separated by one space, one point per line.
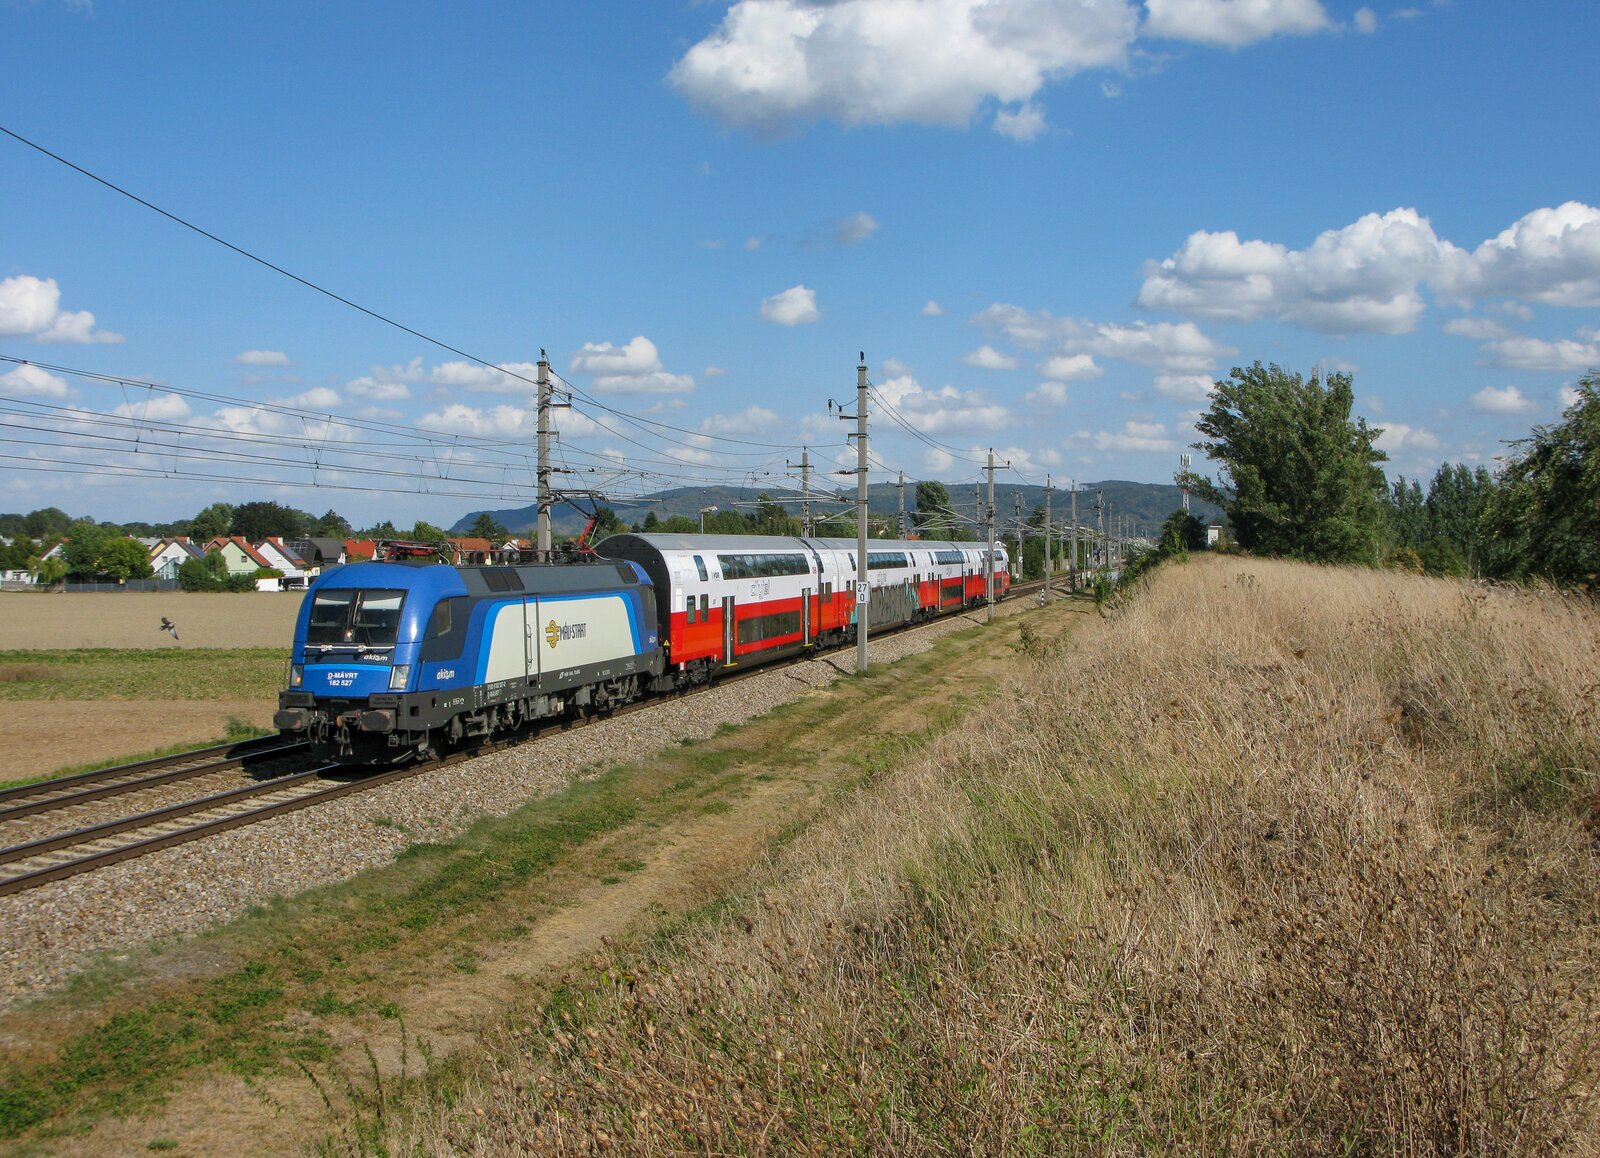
1298 476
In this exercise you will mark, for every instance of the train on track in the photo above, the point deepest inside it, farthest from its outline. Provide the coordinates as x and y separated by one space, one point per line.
397 660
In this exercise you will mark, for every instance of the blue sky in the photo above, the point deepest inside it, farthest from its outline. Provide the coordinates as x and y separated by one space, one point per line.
1049 224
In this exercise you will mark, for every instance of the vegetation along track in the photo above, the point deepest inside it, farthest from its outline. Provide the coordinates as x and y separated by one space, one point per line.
280 782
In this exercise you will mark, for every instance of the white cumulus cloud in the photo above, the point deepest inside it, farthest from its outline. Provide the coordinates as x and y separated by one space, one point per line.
1562 355
932 310
632 368
1398 437
772 65
158 408
1171 347
261 358
854 229
1233 23
1137 437
986 357
1502 400
795 306
32 382
30 307
1023 123
1369 276
1071 367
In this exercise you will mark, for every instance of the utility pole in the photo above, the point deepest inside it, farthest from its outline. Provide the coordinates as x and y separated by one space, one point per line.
1073 564
902 523
544 500
1016 563
1049 540
863 587
1100 527
1183 459
805 490
988 541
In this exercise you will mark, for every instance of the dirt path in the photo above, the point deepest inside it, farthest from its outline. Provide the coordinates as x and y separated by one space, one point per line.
690 861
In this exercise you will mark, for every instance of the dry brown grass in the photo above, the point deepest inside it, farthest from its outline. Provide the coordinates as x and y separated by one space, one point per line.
1273 859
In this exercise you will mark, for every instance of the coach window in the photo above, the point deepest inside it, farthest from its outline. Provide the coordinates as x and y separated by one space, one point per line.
689 610
705 608
700 566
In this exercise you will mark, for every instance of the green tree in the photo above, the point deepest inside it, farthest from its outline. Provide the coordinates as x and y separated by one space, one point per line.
215 520
486 526
1546 511
332 525
46 523
932 517
1458 503
1299 478
81 551
651 524
427 532
1407 514
258 520
1182 532
18 554
383 530
48 572
122 558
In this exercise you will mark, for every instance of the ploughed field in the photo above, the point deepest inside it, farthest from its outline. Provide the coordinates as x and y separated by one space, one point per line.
93 678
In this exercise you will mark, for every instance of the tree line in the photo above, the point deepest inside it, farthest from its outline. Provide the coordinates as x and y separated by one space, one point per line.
1299 477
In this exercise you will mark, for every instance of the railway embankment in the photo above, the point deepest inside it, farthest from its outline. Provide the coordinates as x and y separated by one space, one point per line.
1272 858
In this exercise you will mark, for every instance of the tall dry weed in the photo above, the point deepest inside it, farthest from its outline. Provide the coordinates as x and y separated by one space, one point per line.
1274 858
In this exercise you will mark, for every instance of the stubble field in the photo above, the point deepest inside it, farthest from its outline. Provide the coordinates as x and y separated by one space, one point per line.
49 720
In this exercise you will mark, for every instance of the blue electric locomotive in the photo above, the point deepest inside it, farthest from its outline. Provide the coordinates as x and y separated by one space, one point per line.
394 660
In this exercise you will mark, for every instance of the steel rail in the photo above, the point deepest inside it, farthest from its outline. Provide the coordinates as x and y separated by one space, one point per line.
108 788
268 745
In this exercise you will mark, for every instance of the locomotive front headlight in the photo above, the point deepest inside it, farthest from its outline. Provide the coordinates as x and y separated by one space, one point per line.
297 675
399 677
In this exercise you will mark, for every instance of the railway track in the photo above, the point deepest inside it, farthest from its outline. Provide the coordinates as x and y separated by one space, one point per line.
281 784
68 791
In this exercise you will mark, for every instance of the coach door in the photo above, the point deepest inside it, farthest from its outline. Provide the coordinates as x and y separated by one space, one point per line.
805 616
727 629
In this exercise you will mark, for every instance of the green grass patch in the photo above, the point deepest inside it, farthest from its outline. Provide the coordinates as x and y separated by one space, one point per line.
104 673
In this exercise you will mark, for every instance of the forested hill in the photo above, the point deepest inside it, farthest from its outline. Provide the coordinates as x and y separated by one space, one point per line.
1145 505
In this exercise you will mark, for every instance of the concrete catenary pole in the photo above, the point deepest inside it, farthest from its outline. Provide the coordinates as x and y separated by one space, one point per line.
544 499
1049 540
1016 561
863 590
1073 562
988 542
902 523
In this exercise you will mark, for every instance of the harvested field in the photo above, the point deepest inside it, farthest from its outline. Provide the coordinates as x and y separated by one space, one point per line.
40 737
29 620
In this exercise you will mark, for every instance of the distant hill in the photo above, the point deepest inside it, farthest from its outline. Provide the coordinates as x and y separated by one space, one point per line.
1145 505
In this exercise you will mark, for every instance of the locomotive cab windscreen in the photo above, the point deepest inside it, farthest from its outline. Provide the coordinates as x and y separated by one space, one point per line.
364 618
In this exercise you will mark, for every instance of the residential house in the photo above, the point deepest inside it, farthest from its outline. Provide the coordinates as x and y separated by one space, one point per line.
167 555
316 554
282 558
471 551
239 555
359 550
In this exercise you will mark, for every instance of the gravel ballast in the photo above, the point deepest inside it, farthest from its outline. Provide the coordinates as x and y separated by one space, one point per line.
51 932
